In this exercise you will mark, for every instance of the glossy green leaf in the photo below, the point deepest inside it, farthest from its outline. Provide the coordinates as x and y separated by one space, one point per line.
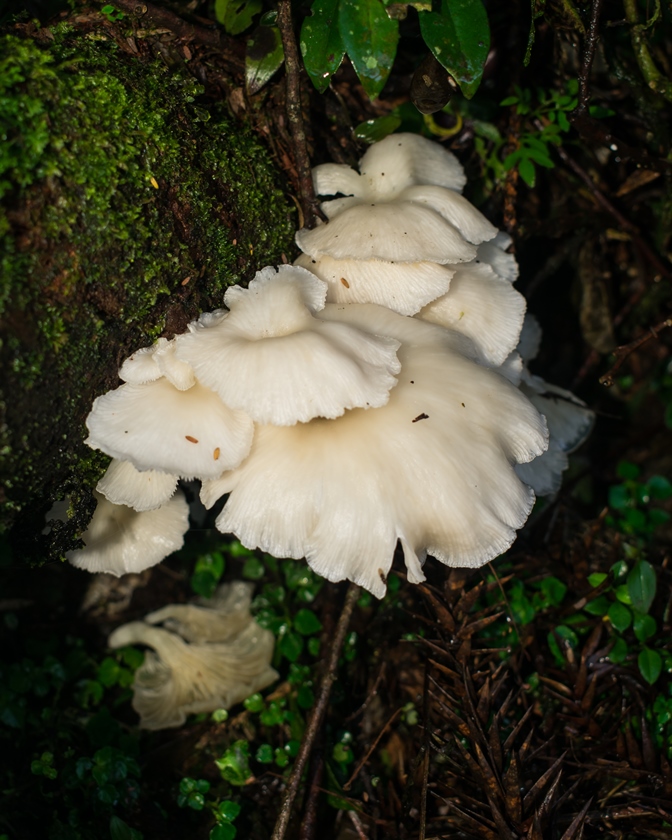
560 638
650 665
645 627
307 623
291 645
223 831
627 470
236 15
620 616
321 44
228 810
660 487
527 172
263 57
619 651
372 131
554 590
234 765
619 497
370 38
459 36
641 583
264 754
253 569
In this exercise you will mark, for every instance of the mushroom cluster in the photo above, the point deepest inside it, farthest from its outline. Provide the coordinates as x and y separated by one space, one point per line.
369 396
204 657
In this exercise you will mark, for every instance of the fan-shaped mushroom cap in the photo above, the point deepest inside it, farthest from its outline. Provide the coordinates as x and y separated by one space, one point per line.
150 363
433 468
403 287
273 358
391 165
570 421
182 679
120 540
406 232
217 620
122 484
156 427
482 306
494 253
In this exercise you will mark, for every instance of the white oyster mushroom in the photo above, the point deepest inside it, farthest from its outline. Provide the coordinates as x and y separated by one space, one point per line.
150 363
274 357
155 426
121 541
403 287
496 255
432 469
482 306
177 678
122 484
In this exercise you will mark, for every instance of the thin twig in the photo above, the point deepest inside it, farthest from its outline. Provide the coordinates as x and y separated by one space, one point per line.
309 823
363 761
625 350
317 717
309 203
589 47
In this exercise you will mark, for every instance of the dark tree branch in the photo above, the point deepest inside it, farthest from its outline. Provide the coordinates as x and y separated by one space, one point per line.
317 717
309 203
589 47
625 350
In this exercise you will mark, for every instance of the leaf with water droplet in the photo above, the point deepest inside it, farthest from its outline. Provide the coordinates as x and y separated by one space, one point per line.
322 47
370 37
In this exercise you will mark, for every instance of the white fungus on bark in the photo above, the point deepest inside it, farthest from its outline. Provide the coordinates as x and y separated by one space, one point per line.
120 540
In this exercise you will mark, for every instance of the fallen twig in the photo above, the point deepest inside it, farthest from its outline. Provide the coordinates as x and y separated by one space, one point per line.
317 717
625 350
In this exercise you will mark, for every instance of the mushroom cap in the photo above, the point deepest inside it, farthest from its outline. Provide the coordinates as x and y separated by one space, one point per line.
433 468
150 363
218 619
494 253
274 359
121 541
182 679
482 306
157 427
122 484
403 287
397 232
391 165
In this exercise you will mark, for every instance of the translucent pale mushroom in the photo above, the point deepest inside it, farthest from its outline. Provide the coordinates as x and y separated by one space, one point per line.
150 363
403 287
120 540
216 620
276 358
494 253
155 426
482 306
391 165
405 232
433 468
122 484
178 678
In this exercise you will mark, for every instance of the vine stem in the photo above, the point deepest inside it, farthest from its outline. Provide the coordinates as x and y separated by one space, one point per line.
317 717
309 204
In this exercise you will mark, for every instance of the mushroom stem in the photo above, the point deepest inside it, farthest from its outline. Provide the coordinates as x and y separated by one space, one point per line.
317 717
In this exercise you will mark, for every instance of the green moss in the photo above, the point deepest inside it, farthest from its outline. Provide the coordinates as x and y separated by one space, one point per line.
126 207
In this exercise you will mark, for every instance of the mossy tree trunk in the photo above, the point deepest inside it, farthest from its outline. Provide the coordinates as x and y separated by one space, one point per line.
129 199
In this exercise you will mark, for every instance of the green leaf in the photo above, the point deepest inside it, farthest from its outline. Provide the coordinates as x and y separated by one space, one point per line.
263 57
619 497
554 590
307 623
372 131
459 36
645 627
228 810
234 765
561 635
207 573
627 470
119 830
596 579
223 831
623 594
254 703
620 616
264 754
236 15
619 651
527 172
290 645
321 44
650 665
108 672
641 583
598 606
370 38
253 569
660 487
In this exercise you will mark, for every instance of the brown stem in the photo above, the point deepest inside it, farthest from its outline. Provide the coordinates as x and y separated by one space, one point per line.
361 763
317 717
309 824
309 203
589 47
625 350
